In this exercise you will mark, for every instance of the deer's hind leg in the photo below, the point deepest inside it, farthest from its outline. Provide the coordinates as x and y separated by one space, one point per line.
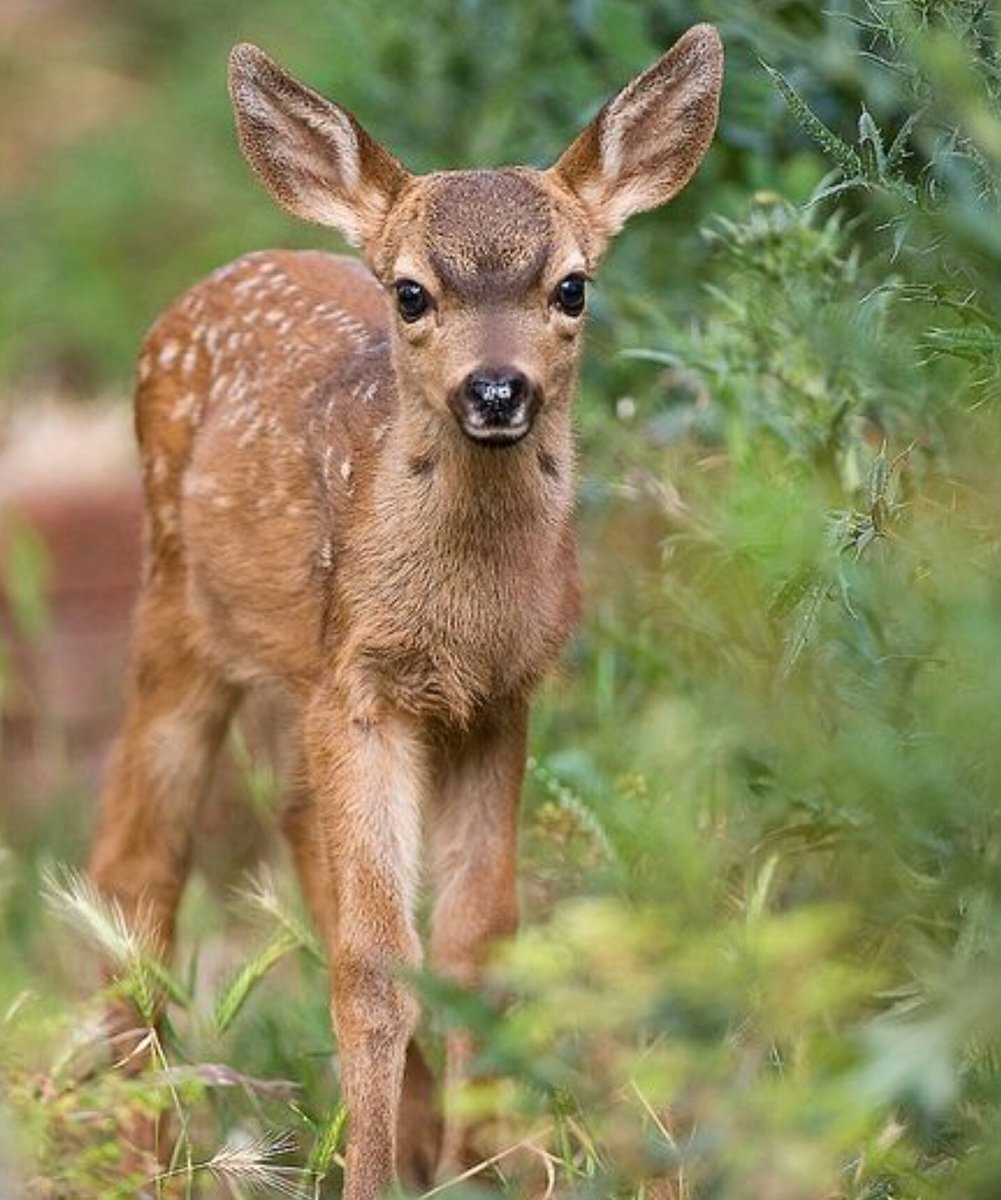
177 710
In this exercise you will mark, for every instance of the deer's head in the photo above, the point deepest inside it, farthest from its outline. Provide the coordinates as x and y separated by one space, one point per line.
486 270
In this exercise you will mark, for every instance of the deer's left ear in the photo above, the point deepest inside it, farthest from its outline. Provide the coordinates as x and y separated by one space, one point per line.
646 143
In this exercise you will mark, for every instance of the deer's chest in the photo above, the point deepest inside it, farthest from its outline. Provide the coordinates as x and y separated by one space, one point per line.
446 635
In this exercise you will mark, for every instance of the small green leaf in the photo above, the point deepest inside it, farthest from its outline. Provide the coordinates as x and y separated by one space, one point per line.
249 976
845 158
871 147
26 573
898 148
328 1139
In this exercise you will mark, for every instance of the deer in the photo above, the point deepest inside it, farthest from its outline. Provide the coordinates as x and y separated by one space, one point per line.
358 479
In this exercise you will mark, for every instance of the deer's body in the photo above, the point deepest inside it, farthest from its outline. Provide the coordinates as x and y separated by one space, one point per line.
359 486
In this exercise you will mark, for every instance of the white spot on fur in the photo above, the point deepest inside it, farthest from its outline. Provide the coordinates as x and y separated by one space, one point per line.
251 431
221 384
167 356
187 408
160 468
167 515
354 330
204 487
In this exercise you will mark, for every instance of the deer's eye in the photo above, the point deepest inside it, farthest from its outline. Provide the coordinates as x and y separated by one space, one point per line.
570 295
411 299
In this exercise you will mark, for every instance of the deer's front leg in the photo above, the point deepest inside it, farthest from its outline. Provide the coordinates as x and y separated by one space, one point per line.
366 768
474 861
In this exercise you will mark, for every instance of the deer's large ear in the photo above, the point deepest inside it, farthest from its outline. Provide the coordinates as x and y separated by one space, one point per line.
312 156
646 143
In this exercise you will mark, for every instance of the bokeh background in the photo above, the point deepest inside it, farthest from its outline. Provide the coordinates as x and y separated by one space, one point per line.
761 845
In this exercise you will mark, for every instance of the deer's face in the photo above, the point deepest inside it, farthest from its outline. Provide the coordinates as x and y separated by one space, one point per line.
486 273
485 269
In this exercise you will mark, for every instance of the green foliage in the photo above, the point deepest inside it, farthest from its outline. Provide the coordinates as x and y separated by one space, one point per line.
154 193
24 576
70 1114
288 932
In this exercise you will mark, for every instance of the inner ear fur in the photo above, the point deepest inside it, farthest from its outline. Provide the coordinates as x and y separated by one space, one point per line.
649 139
313 156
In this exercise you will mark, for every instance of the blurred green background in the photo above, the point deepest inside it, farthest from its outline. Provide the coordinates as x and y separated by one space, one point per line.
122 182
762 864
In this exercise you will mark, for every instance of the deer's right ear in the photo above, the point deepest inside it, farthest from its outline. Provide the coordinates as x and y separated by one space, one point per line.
312 156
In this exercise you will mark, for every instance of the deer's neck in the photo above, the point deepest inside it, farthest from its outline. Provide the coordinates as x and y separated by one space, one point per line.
467 500
459 579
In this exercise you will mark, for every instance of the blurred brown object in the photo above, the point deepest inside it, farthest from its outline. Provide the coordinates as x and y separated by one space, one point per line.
60 87
69 487
67 483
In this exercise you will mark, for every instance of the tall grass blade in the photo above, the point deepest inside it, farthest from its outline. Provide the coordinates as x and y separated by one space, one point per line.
249 976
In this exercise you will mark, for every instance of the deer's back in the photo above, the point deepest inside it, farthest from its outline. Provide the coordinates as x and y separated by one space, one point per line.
258 390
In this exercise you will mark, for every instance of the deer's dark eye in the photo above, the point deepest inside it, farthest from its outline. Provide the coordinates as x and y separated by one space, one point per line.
411 299
570 295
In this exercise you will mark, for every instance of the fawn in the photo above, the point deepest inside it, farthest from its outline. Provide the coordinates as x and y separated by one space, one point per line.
359 485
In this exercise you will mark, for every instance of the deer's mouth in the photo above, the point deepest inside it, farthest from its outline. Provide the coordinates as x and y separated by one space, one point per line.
493 432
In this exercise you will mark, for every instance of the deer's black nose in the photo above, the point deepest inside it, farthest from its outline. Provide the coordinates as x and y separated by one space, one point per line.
498 394
495 406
